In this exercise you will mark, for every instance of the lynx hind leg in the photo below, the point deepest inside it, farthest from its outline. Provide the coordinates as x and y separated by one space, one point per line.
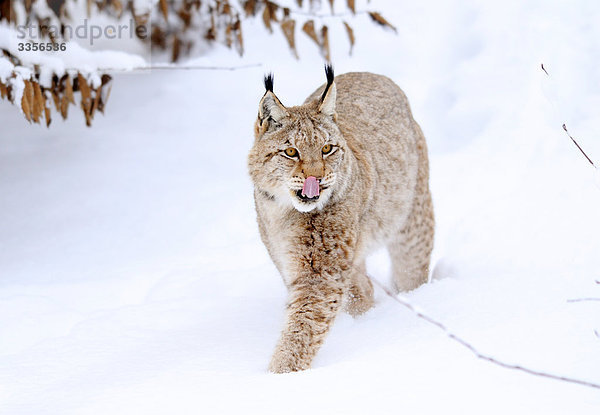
410 252
359 293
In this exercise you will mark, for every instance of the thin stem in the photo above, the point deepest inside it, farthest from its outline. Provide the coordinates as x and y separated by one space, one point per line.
577 300
564 126
163 67
326 15
474 351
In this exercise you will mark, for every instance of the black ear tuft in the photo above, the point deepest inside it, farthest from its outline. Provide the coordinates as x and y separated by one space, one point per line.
329 74
269 82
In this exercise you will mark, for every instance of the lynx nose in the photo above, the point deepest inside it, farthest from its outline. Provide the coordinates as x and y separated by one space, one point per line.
310 188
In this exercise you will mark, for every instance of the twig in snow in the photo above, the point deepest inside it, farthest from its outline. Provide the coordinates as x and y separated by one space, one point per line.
564 126
577 300
473 350
580 149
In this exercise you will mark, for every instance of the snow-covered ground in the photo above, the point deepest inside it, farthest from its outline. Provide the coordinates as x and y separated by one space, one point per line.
133 279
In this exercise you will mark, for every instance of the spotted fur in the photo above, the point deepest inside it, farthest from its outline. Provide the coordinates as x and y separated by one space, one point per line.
374 192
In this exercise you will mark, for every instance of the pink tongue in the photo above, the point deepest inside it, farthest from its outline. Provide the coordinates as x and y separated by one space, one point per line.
311 187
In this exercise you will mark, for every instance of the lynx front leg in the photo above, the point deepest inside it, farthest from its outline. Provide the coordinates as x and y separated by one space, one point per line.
314 302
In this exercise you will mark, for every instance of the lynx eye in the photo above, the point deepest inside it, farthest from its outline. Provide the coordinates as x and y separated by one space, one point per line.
291 152
327 149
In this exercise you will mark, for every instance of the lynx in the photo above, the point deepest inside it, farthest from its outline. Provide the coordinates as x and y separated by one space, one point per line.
334 179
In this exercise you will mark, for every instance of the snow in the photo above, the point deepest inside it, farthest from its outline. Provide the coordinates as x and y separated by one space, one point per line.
6 68
133 279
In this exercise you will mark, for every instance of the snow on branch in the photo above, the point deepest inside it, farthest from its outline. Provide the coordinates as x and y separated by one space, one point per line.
34 80
186 21
47 64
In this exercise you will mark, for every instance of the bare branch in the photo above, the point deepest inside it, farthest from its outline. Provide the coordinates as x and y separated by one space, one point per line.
172 67
473 350
564 126
578 300
326 15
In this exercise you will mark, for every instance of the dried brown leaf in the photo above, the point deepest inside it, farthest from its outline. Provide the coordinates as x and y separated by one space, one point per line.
331 5
96 100
378 18
38 102
28 6
30 90
250 7
176 49
266 16
350 34
309 29
69 90
226 9
273 7
64 106
118 6
185 16
55 96
288 27
48 116
237 27
158 37
325 42
164 8
47 112
26 102
6 11
228 35
86 98
3 90
299 3
351 6
211 33
106 79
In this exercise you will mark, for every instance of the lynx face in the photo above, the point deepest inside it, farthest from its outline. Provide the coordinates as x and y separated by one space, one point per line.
298 155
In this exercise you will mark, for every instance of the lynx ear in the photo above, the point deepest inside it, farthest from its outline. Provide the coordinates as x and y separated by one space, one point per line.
327 104
270 108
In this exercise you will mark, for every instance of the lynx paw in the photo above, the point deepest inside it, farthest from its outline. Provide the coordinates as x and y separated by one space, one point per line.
359 298
285 362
